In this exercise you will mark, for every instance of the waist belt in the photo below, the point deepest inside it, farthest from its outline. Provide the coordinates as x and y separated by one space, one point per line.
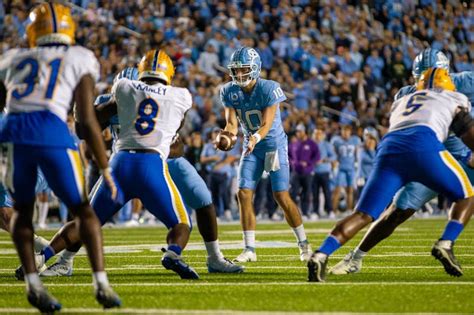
140 151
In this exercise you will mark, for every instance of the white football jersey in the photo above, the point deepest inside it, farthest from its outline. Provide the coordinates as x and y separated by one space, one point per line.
431 108
44 78
149 115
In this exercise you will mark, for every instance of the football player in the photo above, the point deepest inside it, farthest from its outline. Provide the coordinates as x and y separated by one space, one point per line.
414 195
150 112
411 150
42 82
194 192
255 102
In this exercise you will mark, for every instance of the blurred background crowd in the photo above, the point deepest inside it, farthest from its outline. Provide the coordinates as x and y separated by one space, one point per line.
339 62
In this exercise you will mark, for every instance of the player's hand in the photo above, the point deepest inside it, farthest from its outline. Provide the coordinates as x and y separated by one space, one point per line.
116 193
251 145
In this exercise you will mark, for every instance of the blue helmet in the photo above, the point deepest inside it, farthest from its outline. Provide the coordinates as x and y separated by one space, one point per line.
130 73
371 132
247 58
429 58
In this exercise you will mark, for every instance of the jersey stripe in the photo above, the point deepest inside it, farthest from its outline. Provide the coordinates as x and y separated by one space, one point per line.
432 75
155 61
53 17
449 160
178 205
78 172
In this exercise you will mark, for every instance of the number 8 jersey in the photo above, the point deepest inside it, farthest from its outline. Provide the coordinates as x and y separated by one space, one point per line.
431 108
41 81
149 115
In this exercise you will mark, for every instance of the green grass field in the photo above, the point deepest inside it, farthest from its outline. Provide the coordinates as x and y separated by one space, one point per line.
398 276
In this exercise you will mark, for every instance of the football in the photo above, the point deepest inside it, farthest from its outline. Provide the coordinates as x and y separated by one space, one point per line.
225 140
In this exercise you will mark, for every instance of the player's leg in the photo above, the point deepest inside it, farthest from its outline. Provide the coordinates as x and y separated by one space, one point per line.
280 186
341 182
350 178
21 180
196 195
64 173
381 186
250 172
305 193
412 196
42 199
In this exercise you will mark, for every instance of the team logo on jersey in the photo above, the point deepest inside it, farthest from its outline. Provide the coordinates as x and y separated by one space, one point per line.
234 96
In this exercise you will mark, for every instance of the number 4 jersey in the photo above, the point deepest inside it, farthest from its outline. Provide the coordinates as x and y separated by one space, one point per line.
40 84
149 115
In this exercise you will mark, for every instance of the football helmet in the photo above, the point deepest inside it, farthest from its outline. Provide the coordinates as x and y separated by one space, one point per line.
429 58
436 78
156 64
51 23
248 59
130 73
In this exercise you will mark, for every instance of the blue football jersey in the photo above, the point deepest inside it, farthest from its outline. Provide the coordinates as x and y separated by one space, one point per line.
249 109
346 151
464 82
113 121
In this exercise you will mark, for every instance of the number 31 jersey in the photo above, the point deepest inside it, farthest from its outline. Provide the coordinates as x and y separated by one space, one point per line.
149 115
430 108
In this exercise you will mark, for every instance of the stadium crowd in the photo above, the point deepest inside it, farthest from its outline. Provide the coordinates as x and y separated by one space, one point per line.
339 62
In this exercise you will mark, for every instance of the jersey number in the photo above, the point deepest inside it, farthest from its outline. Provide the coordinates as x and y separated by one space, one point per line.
278 93
256 114
31 79
414 103
147 112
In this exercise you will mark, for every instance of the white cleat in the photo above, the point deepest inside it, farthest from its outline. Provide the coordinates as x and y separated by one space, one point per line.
222 265
60 268
305 250
246 256
348 265
40 265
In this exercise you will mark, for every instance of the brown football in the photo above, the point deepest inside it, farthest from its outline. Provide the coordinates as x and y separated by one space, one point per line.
225 140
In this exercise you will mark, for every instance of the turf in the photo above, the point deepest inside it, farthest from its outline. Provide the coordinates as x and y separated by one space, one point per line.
398 276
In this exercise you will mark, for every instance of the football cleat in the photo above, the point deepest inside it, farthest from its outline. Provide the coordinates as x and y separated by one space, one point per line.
42 300
222 265
443 251
107 297
348 265
61 268
40 265
317 267
173 261
246 256
305 250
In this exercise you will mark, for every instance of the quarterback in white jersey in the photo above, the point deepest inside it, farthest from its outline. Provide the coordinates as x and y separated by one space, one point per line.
411 150
150 112
41 82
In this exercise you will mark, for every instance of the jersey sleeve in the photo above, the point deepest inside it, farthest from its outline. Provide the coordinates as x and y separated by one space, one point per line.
275 94
102 99
187 99
404 91
84 62
119 88
5 63
224 97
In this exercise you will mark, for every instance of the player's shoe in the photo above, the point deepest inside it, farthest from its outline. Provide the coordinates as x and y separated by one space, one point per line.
61 268
222 265
246 256
173 261
42 300
40 265
443 251
305 250
348 265
107 297
317 267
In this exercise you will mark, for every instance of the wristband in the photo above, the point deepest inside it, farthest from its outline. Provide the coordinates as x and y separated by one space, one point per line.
257 137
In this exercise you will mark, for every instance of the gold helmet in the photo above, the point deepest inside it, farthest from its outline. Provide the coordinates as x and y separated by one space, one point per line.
156 64
436 78
51 23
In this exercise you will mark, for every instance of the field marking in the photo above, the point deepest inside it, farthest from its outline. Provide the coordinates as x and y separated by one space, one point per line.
237 283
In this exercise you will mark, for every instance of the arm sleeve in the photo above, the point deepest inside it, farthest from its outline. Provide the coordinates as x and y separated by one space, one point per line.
84 62
223 97
275 94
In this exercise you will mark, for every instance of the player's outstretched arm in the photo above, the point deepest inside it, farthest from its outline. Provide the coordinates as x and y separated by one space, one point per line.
267 122
232 125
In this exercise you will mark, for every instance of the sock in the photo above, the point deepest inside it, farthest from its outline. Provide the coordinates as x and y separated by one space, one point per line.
32 281
39 243
43 212
68 255
330 245
359 254
48 252
249 240
299 233
452 230
213 249
100 277
175 248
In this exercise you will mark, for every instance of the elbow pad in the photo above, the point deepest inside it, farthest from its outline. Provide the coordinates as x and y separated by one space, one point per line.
462 122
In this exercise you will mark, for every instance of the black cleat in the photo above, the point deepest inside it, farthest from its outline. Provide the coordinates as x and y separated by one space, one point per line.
107 297
172 261
317 267
19 273
443 251
42 300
